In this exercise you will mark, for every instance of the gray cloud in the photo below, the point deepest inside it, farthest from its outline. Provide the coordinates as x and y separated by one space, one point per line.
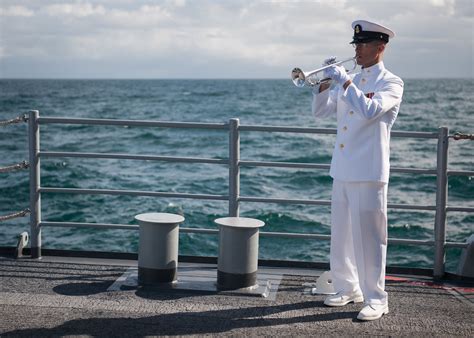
225 39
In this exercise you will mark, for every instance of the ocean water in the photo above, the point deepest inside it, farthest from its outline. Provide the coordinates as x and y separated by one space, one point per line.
427 105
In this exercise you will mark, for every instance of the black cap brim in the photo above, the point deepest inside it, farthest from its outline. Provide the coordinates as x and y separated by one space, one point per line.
363 40
367 36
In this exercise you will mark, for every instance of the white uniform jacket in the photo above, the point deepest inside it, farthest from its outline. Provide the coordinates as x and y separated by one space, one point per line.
365 112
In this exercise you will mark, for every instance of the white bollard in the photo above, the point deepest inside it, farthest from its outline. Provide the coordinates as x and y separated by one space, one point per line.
158 248
238 252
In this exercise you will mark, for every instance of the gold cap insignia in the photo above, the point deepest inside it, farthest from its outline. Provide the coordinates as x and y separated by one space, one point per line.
357 29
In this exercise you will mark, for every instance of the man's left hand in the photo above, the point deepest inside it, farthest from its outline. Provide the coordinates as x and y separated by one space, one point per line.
338 74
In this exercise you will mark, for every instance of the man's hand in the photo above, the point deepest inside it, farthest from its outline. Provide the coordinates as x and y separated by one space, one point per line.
338 74
329 61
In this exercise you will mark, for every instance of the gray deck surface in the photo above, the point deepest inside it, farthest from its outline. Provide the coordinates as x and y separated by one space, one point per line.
64 297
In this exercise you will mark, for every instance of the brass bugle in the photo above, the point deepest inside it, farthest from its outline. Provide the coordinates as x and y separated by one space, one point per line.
313 78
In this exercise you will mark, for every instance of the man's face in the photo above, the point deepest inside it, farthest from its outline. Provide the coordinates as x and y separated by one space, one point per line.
369 53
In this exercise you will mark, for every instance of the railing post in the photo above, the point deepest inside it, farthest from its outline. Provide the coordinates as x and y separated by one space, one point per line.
441 201
234 170
35 199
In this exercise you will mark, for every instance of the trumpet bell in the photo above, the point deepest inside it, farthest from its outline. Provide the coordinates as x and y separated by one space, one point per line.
298 77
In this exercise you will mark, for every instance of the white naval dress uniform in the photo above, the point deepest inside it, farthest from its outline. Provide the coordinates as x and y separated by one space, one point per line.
365 113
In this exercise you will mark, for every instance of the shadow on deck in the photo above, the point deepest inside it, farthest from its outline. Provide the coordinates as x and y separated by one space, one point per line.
72 296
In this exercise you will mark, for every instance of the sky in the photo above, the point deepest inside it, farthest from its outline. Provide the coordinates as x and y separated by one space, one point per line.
203 39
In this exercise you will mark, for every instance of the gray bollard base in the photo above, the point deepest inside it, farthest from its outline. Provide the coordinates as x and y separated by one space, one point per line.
158 248
233 281
147 276
200 280
237 263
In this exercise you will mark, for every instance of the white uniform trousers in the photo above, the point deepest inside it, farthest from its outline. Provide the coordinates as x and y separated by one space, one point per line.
359 238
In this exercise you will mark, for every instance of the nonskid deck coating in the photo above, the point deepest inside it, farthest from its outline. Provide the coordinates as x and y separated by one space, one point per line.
70 297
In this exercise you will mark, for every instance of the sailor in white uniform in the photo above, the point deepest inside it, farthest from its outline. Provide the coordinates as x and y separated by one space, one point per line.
366 106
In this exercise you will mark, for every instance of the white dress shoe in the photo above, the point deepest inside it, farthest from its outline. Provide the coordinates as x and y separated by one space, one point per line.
372 311
343 298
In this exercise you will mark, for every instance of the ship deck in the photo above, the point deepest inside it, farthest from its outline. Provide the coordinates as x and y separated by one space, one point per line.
58 296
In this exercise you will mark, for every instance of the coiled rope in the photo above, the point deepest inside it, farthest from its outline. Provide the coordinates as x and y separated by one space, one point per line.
18 166
461 136
19 119
15 215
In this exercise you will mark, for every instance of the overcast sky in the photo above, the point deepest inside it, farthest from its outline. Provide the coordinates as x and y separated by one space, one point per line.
225 39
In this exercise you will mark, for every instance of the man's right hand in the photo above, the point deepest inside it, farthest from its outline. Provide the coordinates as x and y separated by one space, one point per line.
337 73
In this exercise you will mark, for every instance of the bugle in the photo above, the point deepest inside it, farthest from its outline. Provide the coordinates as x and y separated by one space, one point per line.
314 77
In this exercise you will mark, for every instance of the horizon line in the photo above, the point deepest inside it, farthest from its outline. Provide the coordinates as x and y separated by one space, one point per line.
206 79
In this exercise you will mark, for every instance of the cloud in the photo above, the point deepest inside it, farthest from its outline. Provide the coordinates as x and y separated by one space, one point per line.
15 11
271 36
75 10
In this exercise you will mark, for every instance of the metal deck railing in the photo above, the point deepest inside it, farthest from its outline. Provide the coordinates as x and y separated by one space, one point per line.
234 164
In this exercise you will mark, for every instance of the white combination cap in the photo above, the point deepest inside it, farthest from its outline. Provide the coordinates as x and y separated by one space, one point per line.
366 31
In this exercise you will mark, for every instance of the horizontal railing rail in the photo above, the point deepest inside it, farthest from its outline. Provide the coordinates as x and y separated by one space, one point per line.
131 123
222 126
460 173
56 154
234 163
